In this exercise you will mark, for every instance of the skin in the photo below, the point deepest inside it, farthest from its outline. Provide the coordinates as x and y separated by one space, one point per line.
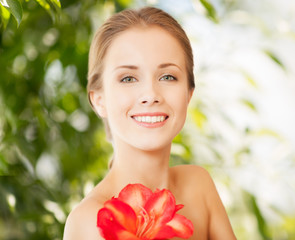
144 72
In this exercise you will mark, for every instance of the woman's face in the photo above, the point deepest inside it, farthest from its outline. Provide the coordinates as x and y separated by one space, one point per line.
145 88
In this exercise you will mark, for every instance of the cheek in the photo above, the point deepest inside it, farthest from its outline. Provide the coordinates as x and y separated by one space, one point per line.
180 100
181 105
118 102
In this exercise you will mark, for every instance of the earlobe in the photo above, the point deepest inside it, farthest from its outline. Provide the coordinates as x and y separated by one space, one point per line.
97 101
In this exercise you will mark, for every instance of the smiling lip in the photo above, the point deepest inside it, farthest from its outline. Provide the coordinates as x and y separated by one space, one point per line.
150 120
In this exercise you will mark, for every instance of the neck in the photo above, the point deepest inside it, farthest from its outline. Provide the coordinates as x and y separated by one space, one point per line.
132 165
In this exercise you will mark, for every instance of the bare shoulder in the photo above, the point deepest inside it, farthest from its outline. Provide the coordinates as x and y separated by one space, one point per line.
192 174
199 185
198 179
81 222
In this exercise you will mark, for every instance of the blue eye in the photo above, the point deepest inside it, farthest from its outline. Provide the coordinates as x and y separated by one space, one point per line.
168 78
128 79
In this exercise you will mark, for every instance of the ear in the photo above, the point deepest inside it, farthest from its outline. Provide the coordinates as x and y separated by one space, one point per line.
190 94
98 103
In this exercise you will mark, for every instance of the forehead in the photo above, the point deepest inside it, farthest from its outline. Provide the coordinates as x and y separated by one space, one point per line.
144 45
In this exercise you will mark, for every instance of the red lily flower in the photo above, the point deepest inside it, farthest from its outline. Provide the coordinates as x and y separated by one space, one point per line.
140 214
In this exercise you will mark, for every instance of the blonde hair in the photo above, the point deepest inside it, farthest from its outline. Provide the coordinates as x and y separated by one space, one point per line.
122 21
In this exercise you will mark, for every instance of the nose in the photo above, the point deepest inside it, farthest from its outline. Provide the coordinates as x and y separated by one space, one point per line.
150 95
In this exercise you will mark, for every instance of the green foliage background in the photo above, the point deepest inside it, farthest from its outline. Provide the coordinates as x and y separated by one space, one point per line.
52 145
37 118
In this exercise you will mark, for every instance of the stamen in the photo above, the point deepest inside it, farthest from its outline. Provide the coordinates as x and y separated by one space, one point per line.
145 223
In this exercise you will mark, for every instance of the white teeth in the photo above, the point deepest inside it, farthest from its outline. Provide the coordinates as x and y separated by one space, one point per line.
149 119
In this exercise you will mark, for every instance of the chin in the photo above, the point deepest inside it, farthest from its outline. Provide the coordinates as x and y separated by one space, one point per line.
152 147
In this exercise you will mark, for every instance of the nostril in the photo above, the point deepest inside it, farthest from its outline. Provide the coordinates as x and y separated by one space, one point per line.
145 102
149 101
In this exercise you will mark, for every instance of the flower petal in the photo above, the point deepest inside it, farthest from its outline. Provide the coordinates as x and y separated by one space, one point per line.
161 208
136 195
166 232
122 213
181 226
178 207
162 204
110 229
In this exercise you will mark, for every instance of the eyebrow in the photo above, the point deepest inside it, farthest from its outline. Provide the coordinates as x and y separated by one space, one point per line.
163 65
127 66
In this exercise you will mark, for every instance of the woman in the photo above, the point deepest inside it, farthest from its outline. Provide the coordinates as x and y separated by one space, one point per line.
140 83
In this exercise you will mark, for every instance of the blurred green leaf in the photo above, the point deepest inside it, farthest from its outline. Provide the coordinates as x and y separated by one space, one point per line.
275 58
47 4
122 4
249 104
211 12
5 15
268 132
56 3
52 7
16 10
262 226
44 4
249 79
288 225
3 165
198 117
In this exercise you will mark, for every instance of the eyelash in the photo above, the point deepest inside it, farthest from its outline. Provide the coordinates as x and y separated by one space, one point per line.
128 77
133 79
171 78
